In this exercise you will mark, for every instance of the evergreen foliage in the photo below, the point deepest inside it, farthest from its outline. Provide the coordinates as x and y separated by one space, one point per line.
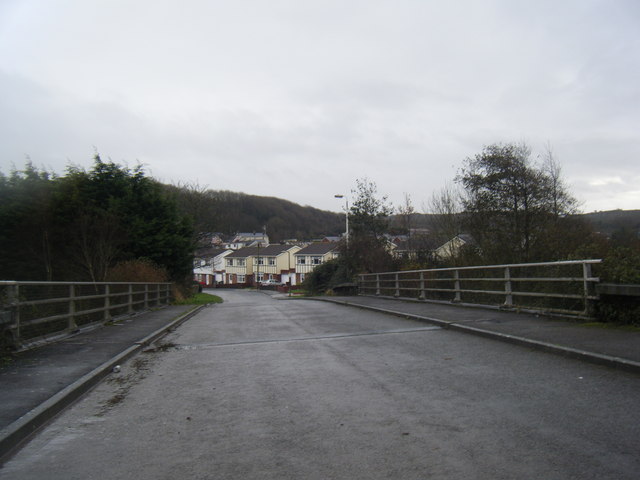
366 250
76 227
326 276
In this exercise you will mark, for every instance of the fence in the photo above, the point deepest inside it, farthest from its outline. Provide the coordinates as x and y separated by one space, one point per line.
566 287
32 312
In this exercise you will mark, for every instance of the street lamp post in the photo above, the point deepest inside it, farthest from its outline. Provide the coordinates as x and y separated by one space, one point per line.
346 216
289 282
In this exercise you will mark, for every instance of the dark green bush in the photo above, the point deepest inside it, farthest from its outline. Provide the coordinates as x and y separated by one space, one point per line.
326 276
620 265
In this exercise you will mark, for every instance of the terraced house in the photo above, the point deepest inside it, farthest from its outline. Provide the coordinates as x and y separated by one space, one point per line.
311 256
257 264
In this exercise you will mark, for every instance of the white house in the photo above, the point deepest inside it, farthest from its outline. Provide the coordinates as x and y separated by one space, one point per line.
242 240
209 266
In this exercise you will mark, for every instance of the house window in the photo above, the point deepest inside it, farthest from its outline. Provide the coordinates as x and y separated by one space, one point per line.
259 261
241 262
260 277
272 260
229 262
301 260
241 279
316 260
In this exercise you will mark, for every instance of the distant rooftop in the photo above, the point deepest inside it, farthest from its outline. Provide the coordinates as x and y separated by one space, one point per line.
317 249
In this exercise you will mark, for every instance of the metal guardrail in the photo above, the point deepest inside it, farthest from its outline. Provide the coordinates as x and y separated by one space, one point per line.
566 287
36 312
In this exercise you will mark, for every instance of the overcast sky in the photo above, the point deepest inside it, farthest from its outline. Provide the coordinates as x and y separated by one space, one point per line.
299 98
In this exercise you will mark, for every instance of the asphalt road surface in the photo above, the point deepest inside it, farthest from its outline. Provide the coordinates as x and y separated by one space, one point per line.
259 388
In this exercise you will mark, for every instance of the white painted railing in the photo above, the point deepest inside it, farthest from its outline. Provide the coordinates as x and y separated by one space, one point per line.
35 312
566 287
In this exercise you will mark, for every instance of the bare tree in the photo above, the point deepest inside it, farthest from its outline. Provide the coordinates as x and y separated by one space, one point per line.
405 213
561 201
445 206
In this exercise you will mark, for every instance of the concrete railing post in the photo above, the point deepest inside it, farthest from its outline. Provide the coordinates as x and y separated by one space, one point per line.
508 298
456 286
422 295
107 303
130 309
14 301
72 325
377 284
397 279
586 275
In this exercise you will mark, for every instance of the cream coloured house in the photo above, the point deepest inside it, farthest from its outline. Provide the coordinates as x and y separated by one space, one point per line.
311 256
249 265
453 247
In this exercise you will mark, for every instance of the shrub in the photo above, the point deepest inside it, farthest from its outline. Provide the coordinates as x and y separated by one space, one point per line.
141 270
326 276
620 265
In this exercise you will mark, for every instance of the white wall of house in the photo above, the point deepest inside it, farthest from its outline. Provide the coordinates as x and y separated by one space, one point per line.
211 270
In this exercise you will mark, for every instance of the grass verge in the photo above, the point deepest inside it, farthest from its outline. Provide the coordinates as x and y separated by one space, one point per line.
199 299
611 326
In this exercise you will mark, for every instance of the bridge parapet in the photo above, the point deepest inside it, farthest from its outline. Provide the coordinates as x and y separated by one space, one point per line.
566 287
32 313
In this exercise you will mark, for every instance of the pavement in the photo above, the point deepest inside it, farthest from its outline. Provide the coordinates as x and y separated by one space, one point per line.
612 347
40 383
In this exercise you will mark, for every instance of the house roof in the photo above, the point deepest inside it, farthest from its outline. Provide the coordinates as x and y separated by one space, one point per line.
248 236
468 239
317 249
416 243
208 252
269 251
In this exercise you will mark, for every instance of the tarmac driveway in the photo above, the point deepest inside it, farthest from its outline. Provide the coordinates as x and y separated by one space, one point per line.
260 388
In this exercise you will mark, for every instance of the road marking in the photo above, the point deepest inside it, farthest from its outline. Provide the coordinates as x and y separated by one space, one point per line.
305 339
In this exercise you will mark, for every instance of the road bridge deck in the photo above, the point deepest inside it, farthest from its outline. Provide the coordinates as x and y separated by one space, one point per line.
261 388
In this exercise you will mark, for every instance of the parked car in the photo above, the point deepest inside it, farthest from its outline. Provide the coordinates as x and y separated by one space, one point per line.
271 283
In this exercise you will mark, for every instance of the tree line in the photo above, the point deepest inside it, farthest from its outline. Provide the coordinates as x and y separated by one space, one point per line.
226 212
90 226
514 209
114 223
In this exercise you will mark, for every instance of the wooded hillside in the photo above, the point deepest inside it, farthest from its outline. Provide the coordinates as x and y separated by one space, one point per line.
231 212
